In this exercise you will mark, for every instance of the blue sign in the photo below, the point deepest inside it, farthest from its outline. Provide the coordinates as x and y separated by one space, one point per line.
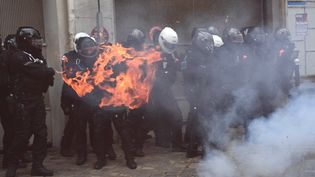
296 3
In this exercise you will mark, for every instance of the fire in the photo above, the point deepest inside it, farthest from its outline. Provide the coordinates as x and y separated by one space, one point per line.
81 83
123 75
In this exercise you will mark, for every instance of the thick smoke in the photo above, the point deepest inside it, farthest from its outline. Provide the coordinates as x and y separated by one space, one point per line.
274 144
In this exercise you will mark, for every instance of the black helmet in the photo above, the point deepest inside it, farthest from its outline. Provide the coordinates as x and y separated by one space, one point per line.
29 39
232 35
256 36
213 30
87 47
196 30
136 39
9 42
283 34
203 40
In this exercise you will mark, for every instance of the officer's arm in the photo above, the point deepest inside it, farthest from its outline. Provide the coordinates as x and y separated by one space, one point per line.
36 70
67 101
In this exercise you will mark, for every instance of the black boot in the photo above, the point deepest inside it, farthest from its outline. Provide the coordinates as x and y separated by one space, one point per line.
131 164
26 157
66 152
4 163
11 172
81 159
100 164
111 153
40 170
178 148
22 164
192 154
192 151
139 152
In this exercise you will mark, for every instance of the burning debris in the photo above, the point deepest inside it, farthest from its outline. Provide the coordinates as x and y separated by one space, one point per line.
123 75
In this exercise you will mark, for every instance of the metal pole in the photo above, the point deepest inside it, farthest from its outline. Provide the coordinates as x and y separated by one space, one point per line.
98 20
297 69
99 5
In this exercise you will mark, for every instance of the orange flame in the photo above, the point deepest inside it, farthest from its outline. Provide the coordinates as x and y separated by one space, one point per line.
123 74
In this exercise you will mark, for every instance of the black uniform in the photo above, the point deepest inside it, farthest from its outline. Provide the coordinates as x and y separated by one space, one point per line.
283 51
30 78
83 110
125 128
138 116
79 111
167 116
7 120
195 82
263 78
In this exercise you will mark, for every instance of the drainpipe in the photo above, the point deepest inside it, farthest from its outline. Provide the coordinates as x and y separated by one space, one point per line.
71 21
296 68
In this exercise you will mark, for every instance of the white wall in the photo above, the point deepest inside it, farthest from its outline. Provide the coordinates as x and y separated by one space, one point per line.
306 44
84 13
56 38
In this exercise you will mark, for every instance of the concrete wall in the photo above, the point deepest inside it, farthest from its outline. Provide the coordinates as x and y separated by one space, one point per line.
56 33
184 15
304 43
83 16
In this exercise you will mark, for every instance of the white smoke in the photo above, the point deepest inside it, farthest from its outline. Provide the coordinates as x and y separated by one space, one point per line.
274 145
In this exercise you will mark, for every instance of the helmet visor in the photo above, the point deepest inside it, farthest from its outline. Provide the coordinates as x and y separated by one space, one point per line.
169 46
37 43
89 51
237 38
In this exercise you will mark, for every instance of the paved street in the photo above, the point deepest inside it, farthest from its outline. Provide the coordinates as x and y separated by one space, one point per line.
158 162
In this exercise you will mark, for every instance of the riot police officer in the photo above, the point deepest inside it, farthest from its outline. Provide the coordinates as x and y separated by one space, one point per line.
85 109
129 123
7 117
198 59
137 117
73 105
263 70
167 118
30 78
223 81
284 59
228 72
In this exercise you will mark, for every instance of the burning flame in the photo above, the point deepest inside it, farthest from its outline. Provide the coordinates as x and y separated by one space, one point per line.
124 76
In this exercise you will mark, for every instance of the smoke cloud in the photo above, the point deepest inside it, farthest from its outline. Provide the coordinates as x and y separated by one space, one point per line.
274 144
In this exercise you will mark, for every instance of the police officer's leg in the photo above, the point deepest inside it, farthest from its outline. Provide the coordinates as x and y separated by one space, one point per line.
8 125
137 120
68 136
99 144
162 128
40 139
176 122
91 131
109 139
22 134
192 134
80 135
124 129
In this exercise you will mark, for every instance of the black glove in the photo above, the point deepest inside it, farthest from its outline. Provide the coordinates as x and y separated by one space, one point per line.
50 79
67 108
51 71
12 104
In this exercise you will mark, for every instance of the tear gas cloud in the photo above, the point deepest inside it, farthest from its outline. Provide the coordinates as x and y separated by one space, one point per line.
274 144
